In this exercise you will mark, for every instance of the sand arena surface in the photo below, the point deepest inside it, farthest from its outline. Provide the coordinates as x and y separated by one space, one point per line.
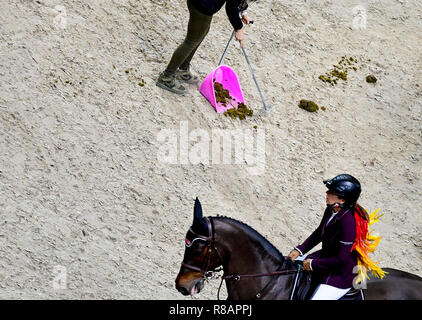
88 210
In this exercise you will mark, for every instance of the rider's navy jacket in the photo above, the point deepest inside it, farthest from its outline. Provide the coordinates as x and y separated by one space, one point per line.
334 263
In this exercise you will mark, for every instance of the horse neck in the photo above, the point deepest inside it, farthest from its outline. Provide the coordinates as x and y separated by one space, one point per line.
242 250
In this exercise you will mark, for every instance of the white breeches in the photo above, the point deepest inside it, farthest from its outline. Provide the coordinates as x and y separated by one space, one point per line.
326 292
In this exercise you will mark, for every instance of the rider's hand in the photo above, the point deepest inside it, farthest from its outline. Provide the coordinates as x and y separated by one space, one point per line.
307 265
293 254
240 36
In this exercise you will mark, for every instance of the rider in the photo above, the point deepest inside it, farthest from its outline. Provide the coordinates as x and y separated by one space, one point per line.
343 226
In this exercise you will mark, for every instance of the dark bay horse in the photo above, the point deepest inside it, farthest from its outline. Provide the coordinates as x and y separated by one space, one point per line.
255 269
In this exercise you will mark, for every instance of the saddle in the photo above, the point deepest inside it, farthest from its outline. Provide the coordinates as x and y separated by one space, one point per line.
304 286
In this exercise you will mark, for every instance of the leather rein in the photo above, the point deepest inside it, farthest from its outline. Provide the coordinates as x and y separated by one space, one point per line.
207 273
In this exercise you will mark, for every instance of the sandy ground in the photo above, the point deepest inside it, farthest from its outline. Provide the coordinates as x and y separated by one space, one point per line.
88 208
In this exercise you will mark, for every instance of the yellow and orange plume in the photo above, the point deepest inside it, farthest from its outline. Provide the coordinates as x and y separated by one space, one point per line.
366 243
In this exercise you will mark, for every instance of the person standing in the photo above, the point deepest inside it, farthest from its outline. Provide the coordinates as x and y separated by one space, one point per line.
200 16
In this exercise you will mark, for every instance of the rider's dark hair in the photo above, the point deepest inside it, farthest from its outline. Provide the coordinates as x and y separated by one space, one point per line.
361 211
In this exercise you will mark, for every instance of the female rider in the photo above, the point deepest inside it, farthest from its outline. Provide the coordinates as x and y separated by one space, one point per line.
334 264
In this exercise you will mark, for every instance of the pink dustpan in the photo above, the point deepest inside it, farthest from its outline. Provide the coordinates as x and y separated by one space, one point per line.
228 78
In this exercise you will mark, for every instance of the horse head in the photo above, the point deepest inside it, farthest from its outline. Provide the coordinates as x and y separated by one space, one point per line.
200 254
212 242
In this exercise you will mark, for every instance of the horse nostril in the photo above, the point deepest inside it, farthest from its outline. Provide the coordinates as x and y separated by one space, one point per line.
183 291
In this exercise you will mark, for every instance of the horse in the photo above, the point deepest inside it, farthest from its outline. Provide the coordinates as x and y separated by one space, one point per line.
256 269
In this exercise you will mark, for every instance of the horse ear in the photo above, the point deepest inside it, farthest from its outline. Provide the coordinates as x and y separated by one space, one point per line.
197 210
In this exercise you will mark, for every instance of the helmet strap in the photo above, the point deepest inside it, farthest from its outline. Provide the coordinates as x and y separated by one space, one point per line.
336 205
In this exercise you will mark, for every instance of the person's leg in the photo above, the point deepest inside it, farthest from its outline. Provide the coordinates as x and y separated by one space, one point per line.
183 73
326 292
186 64
198 27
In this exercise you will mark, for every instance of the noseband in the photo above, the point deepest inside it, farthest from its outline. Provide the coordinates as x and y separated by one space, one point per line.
210 241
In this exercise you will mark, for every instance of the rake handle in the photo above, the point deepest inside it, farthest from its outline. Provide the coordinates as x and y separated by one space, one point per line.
228 44
254 79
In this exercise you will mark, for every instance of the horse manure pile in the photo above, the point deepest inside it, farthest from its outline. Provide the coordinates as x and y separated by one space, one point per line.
223 96
241 112
340 70
309 106
371 79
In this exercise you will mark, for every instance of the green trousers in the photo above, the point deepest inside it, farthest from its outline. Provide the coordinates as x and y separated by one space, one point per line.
198 27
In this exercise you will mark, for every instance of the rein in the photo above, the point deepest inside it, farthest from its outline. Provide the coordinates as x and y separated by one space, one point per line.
238 277
275 273
207 273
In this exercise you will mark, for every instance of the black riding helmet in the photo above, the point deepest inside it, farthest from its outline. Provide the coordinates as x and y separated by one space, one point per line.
345 187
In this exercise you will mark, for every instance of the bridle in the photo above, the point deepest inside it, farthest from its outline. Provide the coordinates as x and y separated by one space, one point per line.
208 273
210 242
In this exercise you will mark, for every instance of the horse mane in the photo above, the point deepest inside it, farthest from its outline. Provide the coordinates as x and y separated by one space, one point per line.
272 250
